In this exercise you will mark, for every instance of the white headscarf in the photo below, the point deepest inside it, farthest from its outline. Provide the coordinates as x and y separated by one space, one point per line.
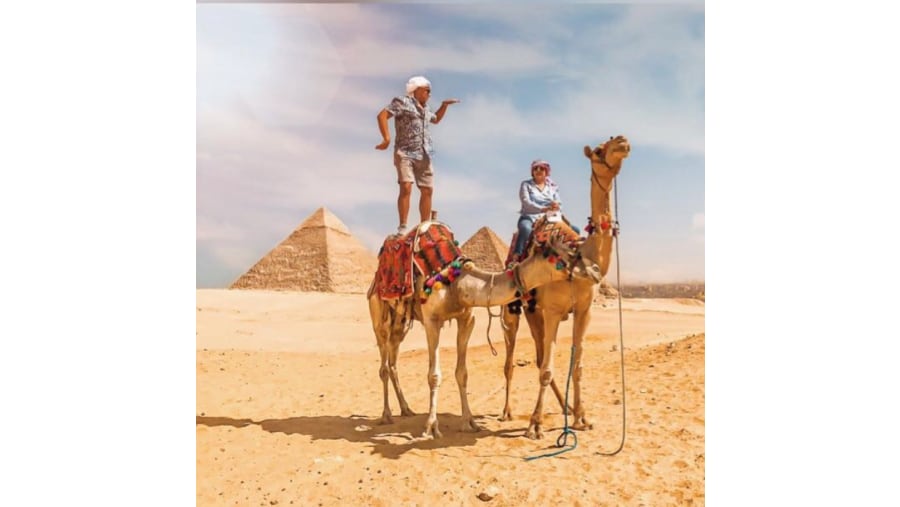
416 82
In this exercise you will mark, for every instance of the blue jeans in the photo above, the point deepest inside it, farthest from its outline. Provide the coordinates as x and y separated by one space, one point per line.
525 226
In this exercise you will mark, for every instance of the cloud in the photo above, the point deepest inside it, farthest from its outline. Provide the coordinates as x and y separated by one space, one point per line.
287 98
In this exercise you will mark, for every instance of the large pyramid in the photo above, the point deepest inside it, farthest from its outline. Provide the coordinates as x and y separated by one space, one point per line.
486 249
321 255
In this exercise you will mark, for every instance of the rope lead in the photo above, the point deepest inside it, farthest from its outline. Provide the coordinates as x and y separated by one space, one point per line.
563 437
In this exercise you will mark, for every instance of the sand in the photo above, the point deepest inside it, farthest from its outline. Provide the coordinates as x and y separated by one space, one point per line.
288 401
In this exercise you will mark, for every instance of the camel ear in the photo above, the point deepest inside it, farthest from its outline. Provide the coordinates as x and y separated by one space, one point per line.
587 151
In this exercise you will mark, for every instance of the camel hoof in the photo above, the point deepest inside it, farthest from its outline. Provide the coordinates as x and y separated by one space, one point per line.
506 415
534 432
581 423
432 431
470 427
406 412
386 419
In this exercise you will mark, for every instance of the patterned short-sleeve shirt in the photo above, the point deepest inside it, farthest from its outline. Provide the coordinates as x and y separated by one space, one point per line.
412 137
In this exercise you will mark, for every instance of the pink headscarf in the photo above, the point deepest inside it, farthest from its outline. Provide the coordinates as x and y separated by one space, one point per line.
541 162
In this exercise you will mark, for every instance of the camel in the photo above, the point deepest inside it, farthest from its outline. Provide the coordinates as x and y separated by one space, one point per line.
472 287
555 300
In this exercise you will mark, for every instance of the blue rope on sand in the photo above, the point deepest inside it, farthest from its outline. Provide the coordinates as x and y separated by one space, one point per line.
561 440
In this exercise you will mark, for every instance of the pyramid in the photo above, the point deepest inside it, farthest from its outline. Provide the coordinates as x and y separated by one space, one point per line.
486 249
319 256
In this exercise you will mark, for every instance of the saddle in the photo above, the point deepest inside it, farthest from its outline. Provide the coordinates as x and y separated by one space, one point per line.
428 250
543 234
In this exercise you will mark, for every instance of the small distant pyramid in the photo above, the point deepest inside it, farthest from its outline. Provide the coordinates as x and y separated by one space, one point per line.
319 256
486 249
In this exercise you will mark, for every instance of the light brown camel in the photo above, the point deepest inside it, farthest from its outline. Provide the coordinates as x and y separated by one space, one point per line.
473 287
554 301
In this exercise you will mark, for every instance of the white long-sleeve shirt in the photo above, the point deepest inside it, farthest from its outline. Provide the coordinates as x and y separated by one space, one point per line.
534 200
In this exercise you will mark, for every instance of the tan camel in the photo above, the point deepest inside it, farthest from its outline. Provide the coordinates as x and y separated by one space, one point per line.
554 301
472 288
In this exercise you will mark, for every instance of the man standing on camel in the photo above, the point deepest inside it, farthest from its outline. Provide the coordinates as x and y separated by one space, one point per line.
412 144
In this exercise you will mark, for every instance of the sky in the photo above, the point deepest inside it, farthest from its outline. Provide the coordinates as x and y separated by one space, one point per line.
287 98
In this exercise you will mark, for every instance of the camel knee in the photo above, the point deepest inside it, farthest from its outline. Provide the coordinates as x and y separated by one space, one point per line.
383 373
546 377
462 376
434 380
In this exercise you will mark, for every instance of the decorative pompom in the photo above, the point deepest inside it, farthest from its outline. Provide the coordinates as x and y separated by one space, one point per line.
428 291
423 300
456 242
429 282
552 259
457 272
560 265
604 225
509 273
437 286
438 278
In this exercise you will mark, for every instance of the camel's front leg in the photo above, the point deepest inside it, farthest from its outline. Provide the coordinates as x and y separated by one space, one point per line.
551 326
433 334
465 324
510 329
536 324
384 373
395 380
582 319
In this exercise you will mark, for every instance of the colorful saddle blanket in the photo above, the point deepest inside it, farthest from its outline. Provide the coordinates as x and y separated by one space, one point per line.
394 276
546 232
427 249
543 233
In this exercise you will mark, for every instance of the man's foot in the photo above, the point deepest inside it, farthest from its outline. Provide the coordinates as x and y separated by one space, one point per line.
401 229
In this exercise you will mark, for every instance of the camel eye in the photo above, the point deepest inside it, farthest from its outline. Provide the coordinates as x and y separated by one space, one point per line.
598 152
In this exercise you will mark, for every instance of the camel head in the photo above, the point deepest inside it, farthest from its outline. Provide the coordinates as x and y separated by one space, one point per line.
580 261
606 159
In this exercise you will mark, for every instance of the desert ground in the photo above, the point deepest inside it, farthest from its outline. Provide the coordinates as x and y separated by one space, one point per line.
289 399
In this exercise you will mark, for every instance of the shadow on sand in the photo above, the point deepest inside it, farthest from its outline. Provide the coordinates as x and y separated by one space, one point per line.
389 440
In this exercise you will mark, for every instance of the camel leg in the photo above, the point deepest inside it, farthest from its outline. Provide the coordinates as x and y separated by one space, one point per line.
383 372
395 380
433 334
582 319
551 326
510 329
465 324
380 314
536 324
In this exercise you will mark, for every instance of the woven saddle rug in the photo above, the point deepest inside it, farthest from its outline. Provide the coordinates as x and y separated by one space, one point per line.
543 234
427 250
